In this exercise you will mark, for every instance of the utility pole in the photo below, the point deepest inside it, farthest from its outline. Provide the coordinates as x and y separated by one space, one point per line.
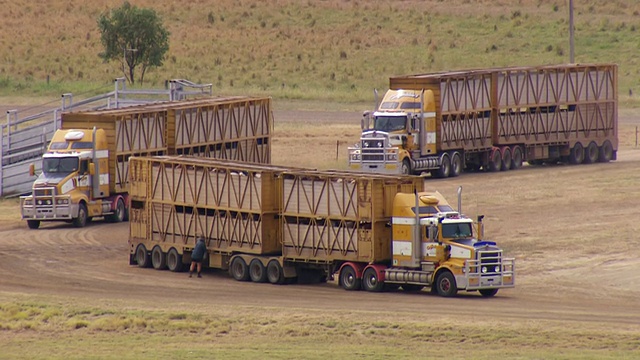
571 53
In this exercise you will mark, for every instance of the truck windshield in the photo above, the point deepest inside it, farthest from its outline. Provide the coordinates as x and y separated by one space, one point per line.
389 123
456 230
63 165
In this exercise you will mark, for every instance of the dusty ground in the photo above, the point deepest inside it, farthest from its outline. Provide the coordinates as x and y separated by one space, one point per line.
572 229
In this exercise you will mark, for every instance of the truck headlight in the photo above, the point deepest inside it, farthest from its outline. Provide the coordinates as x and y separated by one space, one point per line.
484 269
28 202
355 157
497 269
380 144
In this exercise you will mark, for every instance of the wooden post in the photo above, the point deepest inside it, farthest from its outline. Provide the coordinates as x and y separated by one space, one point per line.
337 148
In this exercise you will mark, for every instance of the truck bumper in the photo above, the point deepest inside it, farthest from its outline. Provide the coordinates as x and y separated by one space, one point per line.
382 168
47 210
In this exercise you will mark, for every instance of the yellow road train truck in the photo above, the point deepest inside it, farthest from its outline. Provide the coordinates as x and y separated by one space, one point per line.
491 119
273 224
85 171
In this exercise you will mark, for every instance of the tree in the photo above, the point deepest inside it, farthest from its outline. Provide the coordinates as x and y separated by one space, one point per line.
134 36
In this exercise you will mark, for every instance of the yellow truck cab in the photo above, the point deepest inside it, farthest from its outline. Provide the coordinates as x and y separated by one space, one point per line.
74 183
391 134
445 251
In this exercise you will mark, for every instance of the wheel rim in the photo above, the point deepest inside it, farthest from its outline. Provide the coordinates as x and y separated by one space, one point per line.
172 260
406 170
516 159
445 285
348 278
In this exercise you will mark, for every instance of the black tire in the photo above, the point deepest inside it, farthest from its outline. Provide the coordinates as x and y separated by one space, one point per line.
119 214
275 275
495 161
576 156
81 220
158 258
33 224
445 167
412 287
488 292
348 279
506 159
446 284
174 260
239 269
406 167
516 158
370 280
456 165
257 271
142 256
605 154
591 155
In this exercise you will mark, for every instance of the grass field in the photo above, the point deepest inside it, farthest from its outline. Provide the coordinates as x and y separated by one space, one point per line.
329 50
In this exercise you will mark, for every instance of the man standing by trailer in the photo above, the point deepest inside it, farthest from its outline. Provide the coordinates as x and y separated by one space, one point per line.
197 256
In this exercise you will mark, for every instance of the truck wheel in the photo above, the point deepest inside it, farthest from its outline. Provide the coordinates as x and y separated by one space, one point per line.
33 224
446 284
495 161
488 292
174 260
406 167
118 215
348 279
274 272
142 256
516 158
506 159
591 155
445 167
606 152
576 156
158 258
257 271
239 269
412 287
456 164
370 280
81 220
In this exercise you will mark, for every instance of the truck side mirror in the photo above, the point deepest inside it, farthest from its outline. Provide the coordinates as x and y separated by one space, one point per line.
364 123
92 169
32 170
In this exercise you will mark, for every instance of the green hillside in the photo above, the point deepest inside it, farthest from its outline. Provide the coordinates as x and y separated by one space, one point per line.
326 50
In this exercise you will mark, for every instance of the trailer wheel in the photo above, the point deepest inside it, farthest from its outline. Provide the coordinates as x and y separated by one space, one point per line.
576 156
239 269
516 158
506 159
456 164
606 152
446 284
495 161
81 220
488 292
370 280
158 258
591 155
274 272
257 271
33 224
445 167
348 279
412 287
174 260
406 167
142 256
118 215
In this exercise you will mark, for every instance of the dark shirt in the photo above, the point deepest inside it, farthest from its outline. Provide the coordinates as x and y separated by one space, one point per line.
198 251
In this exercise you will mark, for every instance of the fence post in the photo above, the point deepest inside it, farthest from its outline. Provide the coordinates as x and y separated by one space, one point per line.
10 114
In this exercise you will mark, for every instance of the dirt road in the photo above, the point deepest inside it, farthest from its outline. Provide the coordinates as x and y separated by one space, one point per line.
572 229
